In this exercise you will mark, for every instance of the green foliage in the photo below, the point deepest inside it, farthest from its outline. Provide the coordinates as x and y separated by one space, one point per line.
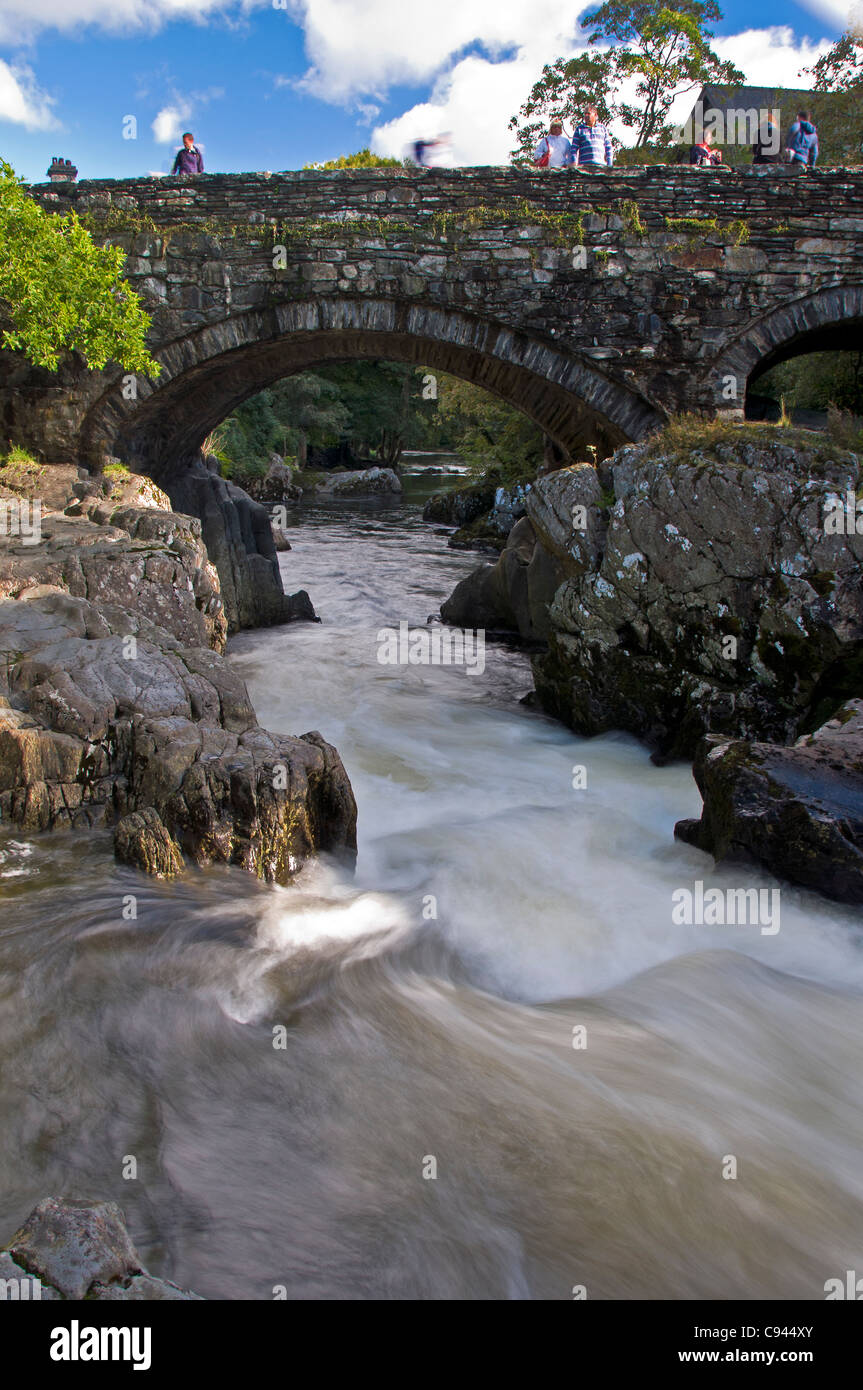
499 441
816 380
631 215
116 470
374 407
841 68
378 409
696 224
61 293
656 50
362 159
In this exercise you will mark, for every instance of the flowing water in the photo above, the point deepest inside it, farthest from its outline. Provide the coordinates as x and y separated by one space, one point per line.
487 1066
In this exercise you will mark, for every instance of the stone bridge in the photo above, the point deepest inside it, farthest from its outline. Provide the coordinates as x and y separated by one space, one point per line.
596 302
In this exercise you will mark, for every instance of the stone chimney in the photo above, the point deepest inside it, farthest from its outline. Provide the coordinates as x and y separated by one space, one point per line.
62 170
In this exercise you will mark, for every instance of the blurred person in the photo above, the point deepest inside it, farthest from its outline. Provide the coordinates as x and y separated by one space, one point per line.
426 153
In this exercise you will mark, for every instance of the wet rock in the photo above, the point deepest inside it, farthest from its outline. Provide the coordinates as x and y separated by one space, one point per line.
142 841
238 534
796 810
97 731
71 1243
143 1288
18 1285
364 482
76 1248
512 595
706 594
461 506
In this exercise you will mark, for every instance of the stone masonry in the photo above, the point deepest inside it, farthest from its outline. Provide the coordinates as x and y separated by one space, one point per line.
596 302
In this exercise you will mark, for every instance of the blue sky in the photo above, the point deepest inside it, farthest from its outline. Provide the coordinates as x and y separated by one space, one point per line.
274 84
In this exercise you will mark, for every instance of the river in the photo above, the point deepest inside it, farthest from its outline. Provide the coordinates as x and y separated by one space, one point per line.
489 1065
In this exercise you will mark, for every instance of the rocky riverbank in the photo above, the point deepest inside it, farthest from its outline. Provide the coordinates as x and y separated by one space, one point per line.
116 706
484 514
706 582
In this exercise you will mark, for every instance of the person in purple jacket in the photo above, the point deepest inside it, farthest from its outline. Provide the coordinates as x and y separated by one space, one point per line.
189 159
591 142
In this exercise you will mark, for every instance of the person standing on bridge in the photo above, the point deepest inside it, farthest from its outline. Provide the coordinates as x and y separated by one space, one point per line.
554 150
802 142
591 143
189 159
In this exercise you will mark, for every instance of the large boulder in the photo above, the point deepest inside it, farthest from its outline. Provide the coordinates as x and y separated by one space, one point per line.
511 595
364 482
76 1248
796 810
237 532
706 590
105 716
461 506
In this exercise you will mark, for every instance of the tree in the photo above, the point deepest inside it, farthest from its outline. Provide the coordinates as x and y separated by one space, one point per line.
362 159
61 293
384 405
487 431
659 51
307 407
841 68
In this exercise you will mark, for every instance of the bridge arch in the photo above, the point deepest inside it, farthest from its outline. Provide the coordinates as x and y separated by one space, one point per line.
830 319
206 374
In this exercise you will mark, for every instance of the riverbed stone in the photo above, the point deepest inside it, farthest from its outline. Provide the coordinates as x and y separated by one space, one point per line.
79 1248
797 811
70 1243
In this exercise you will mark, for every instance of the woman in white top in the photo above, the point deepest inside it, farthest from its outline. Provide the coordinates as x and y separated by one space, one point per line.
556 145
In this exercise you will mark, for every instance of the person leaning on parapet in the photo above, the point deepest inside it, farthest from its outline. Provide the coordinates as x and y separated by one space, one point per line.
802 142
767 148
702 152
554 150
591 142
189 159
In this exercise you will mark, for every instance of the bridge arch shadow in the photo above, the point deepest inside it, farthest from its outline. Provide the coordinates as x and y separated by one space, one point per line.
207 374
829 320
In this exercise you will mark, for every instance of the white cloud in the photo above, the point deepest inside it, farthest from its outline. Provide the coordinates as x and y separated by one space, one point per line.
362 49
772 57
169 123
174 118
23 20
21 100
475 99
836 12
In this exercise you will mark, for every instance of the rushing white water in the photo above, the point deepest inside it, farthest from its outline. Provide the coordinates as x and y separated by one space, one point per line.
430 1005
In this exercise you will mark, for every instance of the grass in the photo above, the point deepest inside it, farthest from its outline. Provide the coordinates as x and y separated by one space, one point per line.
688 434
117 470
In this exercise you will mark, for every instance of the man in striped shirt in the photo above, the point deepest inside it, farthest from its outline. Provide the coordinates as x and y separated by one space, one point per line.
591 142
